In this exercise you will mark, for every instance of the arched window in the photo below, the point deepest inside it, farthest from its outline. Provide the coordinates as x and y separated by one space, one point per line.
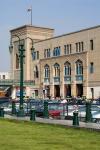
67 69
79 67
56 70
36 72
47 71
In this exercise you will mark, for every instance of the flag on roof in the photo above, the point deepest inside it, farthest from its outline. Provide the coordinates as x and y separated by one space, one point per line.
29 9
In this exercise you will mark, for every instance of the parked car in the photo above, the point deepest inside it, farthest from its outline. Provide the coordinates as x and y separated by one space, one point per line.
96 117
8 109
95 111
56 110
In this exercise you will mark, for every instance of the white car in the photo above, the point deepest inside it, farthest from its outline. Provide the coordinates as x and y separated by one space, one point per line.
96 117
8 108
95 111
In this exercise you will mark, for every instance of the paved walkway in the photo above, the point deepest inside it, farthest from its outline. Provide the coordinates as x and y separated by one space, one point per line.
67 123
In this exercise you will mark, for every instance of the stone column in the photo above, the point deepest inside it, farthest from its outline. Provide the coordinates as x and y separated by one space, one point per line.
13 95
52 90
73 89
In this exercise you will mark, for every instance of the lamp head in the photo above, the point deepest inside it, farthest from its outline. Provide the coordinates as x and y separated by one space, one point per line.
32 49
10 48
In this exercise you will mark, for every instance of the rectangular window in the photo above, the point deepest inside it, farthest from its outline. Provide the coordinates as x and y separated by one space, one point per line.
91 44
70 48
76 47
79 47
45 53
65 49
3 76
34 55
56 51
91 67
48 53
37 54
17 61
36 92
59 51
82 46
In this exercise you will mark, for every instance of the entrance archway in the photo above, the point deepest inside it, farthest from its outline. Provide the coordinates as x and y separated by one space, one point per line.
67 90
79 90
56 90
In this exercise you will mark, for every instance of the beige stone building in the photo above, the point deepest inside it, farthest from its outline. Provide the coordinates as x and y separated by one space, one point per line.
27 35
66 65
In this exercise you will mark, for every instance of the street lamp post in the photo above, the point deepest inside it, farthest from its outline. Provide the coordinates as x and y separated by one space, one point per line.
21 57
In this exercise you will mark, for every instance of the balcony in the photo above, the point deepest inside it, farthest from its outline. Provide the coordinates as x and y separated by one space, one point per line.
56 80
67 79
46 81
79 78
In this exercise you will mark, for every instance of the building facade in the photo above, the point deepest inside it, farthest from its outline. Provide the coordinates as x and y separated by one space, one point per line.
4 89
27 35
62 66
4 75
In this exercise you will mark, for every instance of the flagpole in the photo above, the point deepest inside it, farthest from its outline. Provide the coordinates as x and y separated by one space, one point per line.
31 15
30 10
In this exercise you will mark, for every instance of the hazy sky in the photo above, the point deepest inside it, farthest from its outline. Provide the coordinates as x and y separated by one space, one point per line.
63 15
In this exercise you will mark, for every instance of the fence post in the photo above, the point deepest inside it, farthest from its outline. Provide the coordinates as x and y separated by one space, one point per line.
75 118
32 114
88 117
46 113
1 112
13 108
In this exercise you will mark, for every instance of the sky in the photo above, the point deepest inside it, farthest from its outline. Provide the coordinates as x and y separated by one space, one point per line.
64 16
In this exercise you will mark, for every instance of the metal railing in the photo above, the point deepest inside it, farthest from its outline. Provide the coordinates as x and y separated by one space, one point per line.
16 82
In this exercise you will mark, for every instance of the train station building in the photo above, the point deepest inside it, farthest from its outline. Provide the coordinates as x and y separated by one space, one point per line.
61 66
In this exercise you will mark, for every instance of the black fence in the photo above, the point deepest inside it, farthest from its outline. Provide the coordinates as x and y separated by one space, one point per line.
57 109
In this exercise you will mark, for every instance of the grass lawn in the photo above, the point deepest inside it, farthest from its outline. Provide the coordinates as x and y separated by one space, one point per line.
20 135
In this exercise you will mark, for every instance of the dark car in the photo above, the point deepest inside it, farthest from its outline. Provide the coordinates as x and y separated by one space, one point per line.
56 110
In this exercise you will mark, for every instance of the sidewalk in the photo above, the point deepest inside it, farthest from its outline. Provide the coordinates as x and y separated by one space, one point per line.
67 123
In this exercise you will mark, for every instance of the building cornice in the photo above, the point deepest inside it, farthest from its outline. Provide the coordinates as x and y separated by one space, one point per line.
29 26
86 29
